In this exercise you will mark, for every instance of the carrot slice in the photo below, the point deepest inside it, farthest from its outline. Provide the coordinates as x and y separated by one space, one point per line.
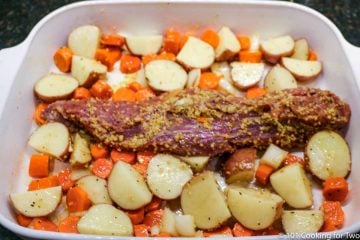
99 150
241 231
141 230
335 189
312 56
250 56
38 113
183 39
225 230
172 41
155 204
64 178
153 218
128 157
39 165
101 90
145 157
102 167
130 64
69 224
124 94
209 80
136 216
263 173
141 168
62 59
334 216
290 159
42 183
255 92
108 57
112 40
77 200
144 94
81 93
43 224
23 221
202 119
162 56
211 37
135 86
244 42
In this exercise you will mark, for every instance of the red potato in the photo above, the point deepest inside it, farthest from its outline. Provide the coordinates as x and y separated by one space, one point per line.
275 48
87 71
84 40
144 45
301 49
228 46
302 70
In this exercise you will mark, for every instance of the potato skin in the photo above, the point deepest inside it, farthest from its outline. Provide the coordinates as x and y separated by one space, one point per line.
301 78
240 165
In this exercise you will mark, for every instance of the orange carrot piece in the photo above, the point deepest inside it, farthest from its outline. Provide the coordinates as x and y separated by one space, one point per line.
99 150
144 94
148 58
244 42
64 178
202 119
312 56
128 157
250 56
136 216
162 56
124 94
77 200
155 204
141 230
267 231
101 90
102 167
153 218
108 57
69 224
81 93
141 168
62 59
172 41
263 173
335 189
334 216
112 40
208 80
162 235
129 64
241 231
43 224
255 92
22 220
135 86
145 157
42 183
183 39
290 159
225 230
38 113
211 37
39 165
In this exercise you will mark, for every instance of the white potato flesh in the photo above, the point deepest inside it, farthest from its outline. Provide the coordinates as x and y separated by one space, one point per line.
60 213
37 203
84 40
246 75
228 88
278 78
165 75
302 221
275 48
328 155
168 222
87 71
228 46
167 175
301 49
254 209
141 78
77 173
273 156
193 78
203 199
143 45
127 188
302 70
81 151
96 188
222 69
254 42
105 219
196 54
292 184
197 163
185 225
55 87
51 138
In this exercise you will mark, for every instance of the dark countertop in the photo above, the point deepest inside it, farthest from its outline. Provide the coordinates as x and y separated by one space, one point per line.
17 18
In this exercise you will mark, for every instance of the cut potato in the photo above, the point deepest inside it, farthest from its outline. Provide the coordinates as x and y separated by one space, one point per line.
278 78
228 46
197 163
87 71
222 69
141 78
37 203
254 43
55 87
81 151
167 175
302 221
246 75
193 78
292 184
144 45
275 48
127 188
96 188
84 40
105 219
196 54
301 49
168 224
203 199
60 213
77 173
165 75
302 70
228 88
185 225
254 209
273 156
51 138
240 166
328 155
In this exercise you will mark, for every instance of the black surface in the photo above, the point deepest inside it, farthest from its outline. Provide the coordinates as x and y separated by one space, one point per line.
17 18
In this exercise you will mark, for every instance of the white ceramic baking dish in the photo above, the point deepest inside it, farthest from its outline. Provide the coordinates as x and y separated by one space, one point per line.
22 65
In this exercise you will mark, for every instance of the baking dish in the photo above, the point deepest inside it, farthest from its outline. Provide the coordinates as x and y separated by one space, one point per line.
22 65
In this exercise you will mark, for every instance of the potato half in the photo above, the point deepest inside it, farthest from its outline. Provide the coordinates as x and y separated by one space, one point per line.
275 48
246 75
96 188
228 46
143 45
302 221
301 49
302 70
81 151
278 78
197 163
84 40
273 156
185 225
87 71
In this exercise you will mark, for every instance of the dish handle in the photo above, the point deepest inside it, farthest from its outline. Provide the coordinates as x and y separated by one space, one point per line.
354 56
